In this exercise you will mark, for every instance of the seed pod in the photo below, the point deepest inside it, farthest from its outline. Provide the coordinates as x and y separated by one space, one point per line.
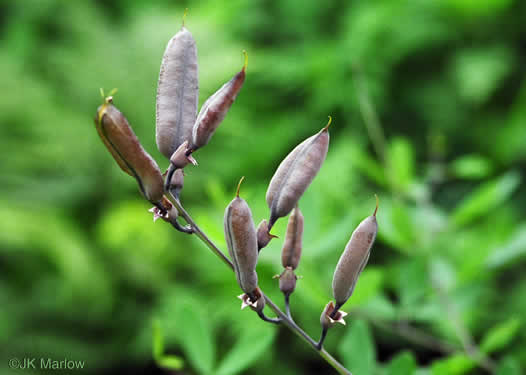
177 182
295 173
215 109
263 235
241 239
291 252
354 258
124 146
177 93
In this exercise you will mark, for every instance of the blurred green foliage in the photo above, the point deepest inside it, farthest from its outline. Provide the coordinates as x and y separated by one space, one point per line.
428 100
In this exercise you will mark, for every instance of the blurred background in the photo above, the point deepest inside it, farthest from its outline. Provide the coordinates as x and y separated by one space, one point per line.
428 100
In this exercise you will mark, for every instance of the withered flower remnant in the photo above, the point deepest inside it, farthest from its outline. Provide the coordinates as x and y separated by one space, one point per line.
263 235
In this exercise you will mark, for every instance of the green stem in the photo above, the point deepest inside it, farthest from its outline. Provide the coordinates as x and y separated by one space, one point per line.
280 314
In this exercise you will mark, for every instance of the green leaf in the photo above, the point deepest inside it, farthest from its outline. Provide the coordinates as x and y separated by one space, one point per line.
509 366
471 167
500 336
358 350
369 285
170 362
485 198
157 340
511 251
195 336
403 364
401 164
456 364
254 340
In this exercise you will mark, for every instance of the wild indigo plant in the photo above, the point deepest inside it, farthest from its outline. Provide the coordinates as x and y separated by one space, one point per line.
181 131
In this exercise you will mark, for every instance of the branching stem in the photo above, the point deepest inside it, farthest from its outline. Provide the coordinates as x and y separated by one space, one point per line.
281 316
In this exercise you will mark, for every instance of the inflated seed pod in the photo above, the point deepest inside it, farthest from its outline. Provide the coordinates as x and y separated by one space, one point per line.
177 93
354 259
291 251
241 239
215 109
124 146
295 173
177 182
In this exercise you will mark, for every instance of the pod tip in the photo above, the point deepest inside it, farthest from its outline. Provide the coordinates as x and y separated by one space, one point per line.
239 186
328 124
246 60
107 99
184 15
377 203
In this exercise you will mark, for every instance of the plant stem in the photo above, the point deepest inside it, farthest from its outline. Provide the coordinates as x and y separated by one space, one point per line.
280 314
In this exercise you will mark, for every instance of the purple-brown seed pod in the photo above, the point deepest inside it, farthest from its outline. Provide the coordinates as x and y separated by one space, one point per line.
124 146
291 251
177 93
215 108
263 235
295 173
241 239
177 182
354 258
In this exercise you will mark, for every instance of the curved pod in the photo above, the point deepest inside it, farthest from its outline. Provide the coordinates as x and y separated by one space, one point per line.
123 144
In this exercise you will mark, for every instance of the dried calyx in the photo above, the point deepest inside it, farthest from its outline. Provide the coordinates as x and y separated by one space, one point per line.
120 140
264 237
295 173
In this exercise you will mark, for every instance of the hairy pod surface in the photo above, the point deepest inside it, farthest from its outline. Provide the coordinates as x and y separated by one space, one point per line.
124 146
354 259
215 109
291 251
295 173
177 93
241 239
